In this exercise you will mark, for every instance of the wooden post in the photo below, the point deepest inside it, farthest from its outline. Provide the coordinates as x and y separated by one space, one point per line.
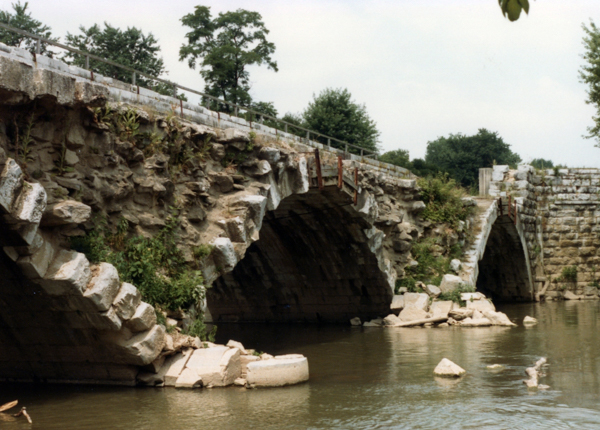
340 172
318 164
356 186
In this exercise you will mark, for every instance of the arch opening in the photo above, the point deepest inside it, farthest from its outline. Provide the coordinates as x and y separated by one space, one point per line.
503 274
312 263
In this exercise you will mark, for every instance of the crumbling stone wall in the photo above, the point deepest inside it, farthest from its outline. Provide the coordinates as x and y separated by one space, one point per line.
76 165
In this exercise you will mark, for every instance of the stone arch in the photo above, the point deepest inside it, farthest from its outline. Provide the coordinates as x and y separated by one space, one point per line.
503 270
318 259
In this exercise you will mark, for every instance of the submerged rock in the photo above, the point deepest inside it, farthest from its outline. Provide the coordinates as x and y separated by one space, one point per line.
529 320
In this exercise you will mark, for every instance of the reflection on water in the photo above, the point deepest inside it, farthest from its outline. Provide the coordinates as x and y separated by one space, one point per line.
368 378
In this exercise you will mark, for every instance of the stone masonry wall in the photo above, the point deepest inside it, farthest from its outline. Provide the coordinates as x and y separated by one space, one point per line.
559 211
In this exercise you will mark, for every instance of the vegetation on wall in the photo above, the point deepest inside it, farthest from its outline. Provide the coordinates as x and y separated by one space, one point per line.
154 265
443 200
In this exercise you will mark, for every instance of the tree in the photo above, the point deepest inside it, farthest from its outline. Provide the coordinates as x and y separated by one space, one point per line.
399 157
590 74
462 156
512 8
335 114
23 21
130 48
540 163
223 48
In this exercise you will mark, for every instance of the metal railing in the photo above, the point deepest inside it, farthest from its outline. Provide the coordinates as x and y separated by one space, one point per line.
236 107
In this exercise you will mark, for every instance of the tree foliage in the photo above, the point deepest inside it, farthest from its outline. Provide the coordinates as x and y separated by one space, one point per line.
398 157
511 9
224 47
334 113
22 20
130 48
540 163
590 75
462 156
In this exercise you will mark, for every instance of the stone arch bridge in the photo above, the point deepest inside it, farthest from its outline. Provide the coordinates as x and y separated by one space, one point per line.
296 236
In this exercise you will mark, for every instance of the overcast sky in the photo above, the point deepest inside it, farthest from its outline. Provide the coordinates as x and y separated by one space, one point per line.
423 68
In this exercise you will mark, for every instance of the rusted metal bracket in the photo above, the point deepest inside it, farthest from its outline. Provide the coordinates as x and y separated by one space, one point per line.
356 186
340 173
318 165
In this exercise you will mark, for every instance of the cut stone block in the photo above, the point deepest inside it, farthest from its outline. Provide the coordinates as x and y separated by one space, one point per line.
189 378
224 253
256 206
432 290
143 318
244 360
498 318
416 300
238 345
391 320
127 301
441 309
277 372
69 273
174 366
450 283
66 212
412 313
103 287
481 305
481 322
218 366
107 320
11 181
143 348
30 204
35 266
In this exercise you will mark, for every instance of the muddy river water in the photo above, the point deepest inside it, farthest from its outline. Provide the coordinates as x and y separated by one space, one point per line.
367 378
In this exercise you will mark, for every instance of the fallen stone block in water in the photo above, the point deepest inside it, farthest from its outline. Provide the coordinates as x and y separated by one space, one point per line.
441 308
481 322
481 305
416 300
189 378
529 320
218 366
411 313
460 314
278 371
448 369
391 319
355 321
498 318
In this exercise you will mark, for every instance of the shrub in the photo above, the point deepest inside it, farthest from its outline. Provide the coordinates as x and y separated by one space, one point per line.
569 274
455 295
443 200
155 265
